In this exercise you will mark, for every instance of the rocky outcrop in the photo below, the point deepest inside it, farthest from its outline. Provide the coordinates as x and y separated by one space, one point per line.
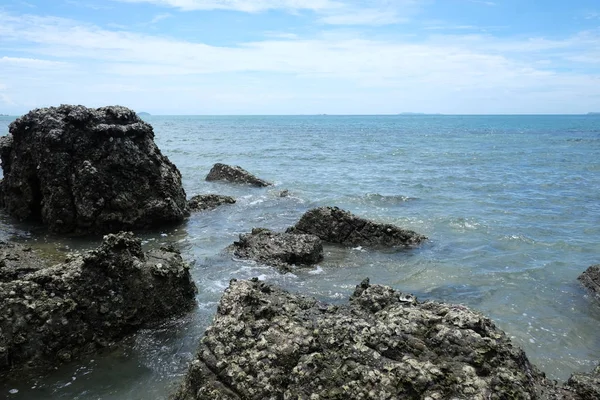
281 250
591 280
82 170
203 202
52 314
224 172
334 225
586 386
265 343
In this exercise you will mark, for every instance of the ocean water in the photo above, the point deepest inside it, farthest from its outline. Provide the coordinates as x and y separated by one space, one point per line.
511 206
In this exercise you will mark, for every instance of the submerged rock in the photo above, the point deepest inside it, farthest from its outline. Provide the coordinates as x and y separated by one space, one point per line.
591 280
282 250
224 172
78 169
265 343
204 202
56 313
334 225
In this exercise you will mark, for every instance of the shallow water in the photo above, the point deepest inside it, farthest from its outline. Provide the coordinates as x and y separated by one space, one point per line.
510 204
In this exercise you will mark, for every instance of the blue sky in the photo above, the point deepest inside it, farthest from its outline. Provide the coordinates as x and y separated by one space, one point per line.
302 56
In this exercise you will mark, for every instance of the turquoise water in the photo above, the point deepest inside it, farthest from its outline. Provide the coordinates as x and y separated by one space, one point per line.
510 204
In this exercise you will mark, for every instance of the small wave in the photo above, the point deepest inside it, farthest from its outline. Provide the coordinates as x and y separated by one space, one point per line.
387 199
316 271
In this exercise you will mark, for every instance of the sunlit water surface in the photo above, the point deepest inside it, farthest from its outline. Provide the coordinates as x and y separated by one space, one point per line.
510 204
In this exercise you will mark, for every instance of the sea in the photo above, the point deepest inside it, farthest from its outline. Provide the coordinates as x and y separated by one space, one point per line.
510 204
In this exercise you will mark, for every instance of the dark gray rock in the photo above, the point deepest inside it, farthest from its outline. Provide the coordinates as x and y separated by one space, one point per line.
83 170
591 280
265 343
587 386
282 250
203 202
53 314
224 172
334 225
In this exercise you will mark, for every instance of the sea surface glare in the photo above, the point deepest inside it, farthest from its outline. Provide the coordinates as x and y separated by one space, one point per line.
511 205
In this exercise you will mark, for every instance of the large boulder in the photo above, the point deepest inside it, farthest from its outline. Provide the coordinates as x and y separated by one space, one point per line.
265 343
334 225
590 279
203 202
236 174
52 314
282 250
78 169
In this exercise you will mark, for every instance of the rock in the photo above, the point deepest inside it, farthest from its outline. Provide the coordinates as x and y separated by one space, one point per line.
54 314
591 280
587 386
334 225
284 193
81 170
204 202
265 343
223 172
282 250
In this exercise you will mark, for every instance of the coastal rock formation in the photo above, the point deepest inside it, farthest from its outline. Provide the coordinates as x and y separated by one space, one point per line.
266 343
52 314
78 169
591 280
224 172
282 250
586 386
334 225
203 202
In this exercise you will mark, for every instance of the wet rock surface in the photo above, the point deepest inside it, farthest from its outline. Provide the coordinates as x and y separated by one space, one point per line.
53 314
78 169
266 343
203 202
281 250
590 279
234 174
334 225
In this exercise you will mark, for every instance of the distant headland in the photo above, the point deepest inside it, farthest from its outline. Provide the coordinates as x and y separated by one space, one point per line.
143 114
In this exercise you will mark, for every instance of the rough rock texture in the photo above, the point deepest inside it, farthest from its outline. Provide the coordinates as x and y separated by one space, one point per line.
591 280
204 202
81 170
224 172
587 386
334 225
55 313
282 250
265 343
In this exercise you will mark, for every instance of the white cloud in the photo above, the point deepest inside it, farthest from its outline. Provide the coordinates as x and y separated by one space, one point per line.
160 17
327 73
243 5
364 17
31 62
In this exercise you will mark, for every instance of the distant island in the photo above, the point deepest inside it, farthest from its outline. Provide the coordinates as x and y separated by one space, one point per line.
144 114
4 115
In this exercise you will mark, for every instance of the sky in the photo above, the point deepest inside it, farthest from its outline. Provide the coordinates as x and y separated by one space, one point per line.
232 57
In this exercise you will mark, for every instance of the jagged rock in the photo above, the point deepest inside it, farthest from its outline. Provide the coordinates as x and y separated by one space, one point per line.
78 169
223 172
53 314
17 260
334 225
587 386
204 202
282 250
591 280
265 343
